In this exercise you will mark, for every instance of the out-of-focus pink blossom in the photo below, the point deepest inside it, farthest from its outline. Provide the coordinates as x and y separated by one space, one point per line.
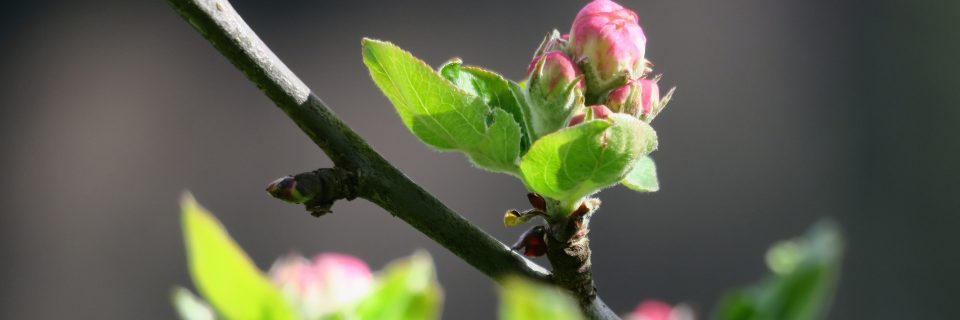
659 310
329 283
609 38
599 112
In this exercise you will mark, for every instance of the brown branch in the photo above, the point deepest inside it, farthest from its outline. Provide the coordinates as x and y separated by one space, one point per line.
372 177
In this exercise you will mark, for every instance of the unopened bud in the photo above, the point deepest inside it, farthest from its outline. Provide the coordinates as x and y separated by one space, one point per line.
649 98
555 87
556 73
286 189
608 39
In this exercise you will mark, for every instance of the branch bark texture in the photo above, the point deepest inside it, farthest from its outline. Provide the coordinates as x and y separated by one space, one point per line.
376 179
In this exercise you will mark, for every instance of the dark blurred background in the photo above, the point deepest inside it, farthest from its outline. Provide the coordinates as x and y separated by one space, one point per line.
787 111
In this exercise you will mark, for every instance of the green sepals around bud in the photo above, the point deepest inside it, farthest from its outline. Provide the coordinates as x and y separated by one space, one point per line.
552 112
659 105
553 41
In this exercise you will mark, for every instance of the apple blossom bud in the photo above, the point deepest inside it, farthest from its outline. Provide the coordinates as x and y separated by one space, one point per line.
555 87
608 40
595 111
329 283
649 98
557 72
287 189
639 98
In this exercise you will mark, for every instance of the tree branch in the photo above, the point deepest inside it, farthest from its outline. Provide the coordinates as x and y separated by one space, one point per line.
376 179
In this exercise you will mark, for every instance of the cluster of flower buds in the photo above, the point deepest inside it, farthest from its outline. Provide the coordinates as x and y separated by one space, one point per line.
600 63
328 283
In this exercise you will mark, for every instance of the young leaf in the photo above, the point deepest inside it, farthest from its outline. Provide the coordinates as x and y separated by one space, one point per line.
223 273
578 161
495 90
407 289
492 153
643 176
436 111
523 300
191 307
439 113
804 275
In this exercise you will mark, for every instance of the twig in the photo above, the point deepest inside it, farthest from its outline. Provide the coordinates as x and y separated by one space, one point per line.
376 179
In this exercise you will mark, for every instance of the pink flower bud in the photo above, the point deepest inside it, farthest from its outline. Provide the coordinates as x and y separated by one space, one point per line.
557 72
624 99
638 98
609 39
649 98
599 112
329 283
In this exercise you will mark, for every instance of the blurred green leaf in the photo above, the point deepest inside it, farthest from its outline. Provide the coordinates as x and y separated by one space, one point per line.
223 273
495 90
442 115
524 300
578 161
406 289
191 307
643 176
804 275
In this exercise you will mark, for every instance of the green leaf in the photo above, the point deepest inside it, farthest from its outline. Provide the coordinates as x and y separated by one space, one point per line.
578 161
223 273
804 275
643 176
407 289
524 300
442 115
495 90
493 153
191 307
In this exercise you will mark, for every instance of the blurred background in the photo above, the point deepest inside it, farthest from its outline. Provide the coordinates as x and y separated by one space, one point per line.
786 112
